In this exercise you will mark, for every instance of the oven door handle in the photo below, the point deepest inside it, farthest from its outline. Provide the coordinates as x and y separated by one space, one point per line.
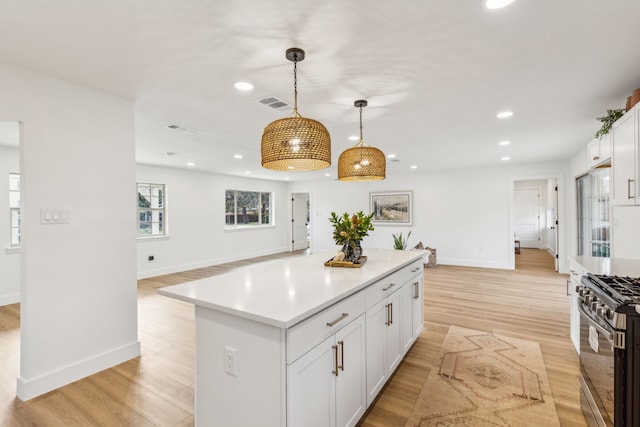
608 334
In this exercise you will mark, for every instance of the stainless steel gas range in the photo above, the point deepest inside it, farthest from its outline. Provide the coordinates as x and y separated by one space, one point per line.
610 350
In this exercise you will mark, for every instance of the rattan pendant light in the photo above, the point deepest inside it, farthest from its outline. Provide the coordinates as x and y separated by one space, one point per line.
296 143
362 162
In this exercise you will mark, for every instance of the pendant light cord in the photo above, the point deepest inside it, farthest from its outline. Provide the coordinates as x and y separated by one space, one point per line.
361 141
295 85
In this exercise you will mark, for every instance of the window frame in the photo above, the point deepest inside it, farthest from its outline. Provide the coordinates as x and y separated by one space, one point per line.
13 226
162 212
235 224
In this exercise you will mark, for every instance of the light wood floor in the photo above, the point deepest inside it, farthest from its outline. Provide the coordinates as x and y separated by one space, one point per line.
157 388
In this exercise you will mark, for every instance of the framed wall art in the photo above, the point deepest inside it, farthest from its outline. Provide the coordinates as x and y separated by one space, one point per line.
391 208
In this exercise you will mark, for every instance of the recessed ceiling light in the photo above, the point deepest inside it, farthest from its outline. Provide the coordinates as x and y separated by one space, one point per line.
243 86
391 156
248 172
413 167
504 142
504 159
237 156
286 178
191 164
354 138
327 174
497 4
504 114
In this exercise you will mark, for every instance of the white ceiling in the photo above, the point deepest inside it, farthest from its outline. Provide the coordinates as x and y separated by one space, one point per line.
435 73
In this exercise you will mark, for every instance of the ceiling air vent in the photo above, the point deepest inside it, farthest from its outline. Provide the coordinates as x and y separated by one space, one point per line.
182 129
275 103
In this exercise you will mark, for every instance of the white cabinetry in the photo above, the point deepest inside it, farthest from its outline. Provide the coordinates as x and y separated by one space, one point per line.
576 272
394 321
304 339
384 348
599 150
625 158
412 313
326 386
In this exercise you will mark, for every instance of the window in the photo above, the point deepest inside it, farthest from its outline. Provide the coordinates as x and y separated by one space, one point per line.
247 208
14 208
151 209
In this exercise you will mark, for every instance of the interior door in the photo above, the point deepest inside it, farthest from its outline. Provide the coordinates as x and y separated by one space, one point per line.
555 225
299 221
527 208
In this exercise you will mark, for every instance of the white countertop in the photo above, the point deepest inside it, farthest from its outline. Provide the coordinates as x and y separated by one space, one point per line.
609 266
286 291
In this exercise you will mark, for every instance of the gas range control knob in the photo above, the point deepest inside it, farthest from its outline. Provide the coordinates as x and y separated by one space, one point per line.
604 312
596 305
588 298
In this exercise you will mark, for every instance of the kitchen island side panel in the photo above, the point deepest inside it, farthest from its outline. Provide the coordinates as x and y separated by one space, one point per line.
257 394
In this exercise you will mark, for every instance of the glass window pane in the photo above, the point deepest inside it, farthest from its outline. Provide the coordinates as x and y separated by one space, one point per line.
15 237
14 182
14 199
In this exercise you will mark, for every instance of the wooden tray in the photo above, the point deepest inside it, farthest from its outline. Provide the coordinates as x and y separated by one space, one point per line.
347 264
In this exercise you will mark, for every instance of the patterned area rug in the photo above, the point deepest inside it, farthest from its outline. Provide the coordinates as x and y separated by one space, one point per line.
486 380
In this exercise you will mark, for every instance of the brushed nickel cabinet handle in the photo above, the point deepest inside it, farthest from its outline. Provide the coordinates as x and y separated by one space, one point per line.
342 316
388 322
341 344
629 181
335 350
391 285
415 269
391 316
596 158
417 294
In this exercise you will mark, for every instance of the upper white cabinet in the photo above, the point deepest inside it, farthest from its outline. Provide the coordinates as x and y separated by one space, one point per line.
599 151
624 135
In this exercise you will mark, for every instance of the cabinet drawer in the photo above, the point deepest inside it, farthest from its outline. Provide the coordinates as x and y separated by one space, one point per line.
311 332
387 285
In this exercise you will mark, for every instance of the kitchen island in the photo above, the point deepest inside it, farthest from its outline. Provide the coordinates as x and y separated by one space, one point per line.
291 342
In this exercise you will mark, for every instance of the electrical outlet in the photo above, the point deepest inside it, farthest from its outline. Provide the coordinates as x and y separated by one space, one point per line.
230 362
150 257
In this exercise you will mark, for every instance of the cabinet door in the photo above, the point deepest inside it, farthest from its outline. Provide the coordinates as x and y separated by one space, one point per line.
393 339
376 325
412 311
311 387
418 305
624 160
351 396
593 152
574 314
408 292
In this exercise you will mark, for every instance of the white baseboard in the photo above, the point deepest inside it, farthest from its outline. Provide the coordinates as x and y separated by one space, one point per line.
28 388
475 263
207 263
9 299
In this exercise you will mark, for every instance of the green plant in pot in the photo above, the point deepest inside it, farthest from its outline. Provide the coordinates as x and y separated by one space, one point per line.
608 121
399 242
349 230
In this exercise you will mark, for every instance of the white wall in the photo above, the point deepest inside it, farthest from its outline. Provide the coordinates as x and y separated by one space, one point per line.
78 280
9 258
195 222
464 214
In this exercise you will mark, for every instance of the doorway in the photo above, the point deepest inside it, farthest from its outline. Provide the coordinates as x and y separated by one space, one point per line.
535 213
300 221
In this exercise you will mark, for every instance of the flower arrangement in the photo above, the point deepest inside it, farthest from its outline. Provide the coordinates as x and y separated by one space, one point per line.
349 230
